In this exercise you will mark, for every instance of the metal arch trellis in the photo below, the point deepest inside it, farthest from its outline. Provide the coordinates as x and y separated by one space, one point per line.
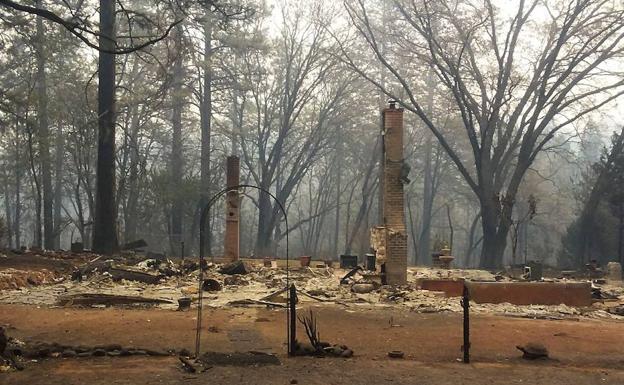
202 235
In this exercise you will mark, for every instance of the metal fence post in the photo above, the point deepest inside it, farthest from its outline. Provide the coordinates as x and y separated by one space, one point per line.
292 334
465 302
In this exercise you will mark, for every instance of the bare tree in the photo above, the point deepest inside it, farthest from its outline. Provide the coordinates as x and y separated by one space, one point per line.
512 95
105 221
295 100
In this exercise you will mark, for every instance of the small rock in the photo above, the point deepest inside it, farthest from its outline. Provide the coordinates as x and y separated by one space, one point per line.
348 353
396 354
362 288
187 365
211 285
533 351
108 347
293 381
82 349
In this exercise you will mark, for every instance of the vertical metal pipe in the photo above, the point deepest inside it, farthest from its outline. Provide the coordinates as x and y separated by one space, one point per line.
466 305
292 341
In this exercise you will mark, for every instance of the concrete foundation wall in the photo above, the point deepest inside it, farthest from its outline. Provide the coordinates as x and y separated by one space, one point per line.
531 293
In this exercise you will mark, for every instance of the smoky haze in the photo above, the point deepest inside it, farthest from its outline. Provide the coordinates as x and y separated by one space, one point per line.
116 121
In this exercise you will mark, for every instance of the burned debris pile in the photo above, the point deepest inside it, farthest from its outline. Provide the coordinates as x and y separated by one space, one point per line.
131 279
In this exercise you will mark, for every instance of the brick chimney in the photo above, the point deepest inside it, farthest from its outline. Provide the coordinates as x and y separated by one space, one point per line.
232 213
394 235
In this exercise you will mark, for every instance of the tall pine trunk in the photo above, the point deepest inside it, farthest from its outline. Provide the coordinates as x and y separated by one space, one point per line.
59 148
130 213
43 136
18 184
424 249
176 166
105 220
206 127
263 241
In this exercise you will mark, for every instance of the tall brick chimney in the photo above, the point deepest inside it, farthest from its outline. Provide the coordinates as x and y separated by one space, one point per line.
232 214
390 239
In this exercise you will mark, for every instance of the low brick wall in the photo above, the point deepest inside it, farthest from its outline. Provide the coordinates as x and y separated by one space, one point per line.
531 293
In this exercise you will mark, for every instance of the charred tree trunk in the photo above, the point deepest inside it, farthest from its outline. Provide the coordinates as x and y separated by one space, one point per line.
7 207
263 241
130 212
424 249
338 165
36 189
18 183
59 149
176 165
206 124
43 137
105 220
494 240
368 186
621 233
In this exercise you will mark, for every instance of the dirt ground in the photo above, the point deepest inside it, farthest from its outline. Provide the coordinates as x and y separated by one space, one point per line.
583 352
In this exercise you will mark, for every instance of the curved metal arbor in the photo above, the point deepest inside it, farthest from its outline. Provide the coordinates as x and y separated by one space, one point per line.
202 236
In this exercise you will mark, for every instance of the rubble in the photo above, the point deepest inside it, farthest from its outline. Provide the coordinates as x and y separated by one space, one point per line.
137 281
237 267
362 288
88 299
